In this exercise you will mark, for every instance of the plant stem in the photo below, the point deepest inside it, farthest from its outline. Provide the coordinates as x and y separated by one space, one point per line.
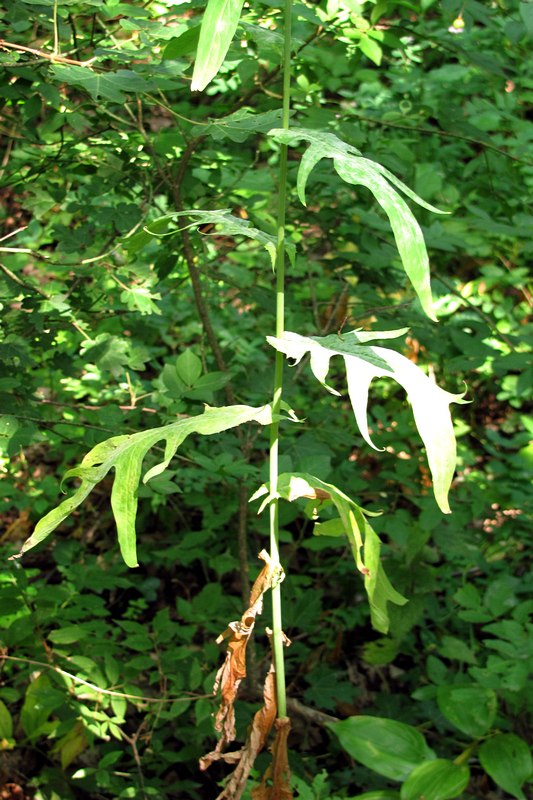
277 633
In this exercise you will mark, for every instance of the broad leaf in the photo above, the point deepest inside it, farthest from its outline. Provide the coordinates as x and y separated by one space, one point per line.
125 454
353 522
219 24
471 709
436 780
352 168
230 225
101 85
386 746
430 403
507 759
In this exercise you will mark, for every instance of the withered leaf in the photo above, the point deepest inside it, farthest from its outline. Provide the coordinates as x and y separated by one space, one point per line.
276 782
255 740
233 670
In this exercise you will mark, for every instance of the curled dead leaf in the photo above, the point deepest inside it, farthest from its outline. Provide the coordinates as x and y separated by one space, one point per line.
276 782
233 670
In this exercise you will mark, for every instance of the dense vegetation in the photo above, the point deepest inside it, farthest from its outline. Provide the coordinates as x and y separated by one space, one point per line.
116 319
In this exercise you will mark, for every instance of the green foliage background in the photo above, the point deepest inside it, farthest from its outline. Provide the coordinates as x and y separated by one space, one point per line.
102 334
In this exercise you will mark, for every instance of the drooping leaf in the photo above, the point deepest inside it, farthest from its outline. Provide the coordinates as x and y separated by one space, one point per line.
391 748
507 759
125 454
219 24
229 224
353 168
233 670
353 522
436 780
430 403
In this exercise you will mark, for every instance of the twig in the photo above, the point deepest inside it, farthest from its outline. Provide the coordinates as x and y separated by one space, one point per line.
43 54
98 689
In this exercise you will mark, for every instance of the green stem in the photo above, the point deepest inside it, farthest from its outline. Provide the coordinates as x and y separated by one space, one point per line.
277 634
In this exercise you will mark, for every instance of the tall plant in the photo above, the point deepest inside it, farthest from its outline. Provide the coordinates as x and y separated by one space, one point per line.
364 360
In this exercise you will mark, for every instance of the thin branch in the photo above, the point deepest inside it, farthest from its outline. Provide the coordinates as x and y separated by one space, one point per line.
439 132
98 689
43 54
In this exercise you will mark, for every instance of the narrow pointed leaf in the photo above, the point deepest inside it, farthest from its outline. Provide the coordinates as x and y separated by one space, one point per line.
219 24
430 403
125 454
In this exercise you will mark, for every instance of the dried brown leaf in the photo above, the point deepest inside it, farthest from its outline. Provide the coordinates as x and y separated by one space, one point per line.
276 782
233 670
255 741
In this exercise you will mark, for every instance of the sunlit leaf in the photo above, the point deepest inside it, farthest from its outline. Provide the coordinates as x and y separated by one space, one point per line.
125 454
219 24
101 85
430 403
352 168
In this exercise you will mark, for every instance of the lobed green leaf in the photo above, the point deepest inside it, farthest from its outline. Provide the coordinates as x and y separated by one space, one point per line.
354 169
229 224
353 522
125 454
430 403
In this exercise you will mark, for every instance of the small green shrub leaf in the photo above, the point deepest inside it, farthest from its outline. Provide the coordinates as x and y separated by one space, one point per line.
219 24
471 709
391 748
188 367
354 169
430 403
353 522
436 780
507 759
126 454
